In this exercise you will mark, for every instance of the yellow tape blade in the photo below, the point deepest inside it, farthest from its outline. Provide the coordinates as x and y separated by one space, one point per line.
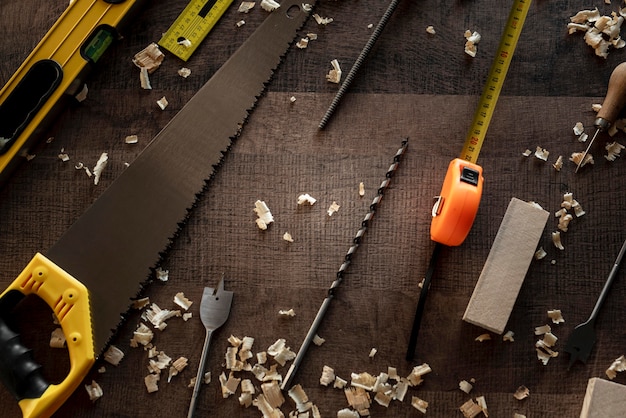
192 26
495 80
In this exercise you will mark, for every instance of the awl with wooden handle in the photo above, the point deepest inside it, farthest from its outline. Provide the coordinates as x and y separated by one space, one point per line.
611 107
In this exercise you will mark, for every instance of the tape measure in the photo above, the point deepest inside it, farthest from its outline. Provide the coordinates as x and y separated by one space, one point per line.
54 71
457 204
192 26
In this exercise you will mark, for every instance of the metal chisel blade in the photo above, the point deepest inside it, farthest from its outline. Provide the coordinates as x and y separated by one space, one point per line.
112 247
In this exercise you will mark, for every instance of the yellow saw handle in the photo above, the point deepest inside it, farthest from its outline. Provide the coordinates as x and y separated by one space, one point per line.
69 300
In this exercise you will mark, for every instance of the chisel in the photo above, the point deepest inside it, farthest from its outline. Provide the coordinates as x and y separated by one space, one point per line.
611 107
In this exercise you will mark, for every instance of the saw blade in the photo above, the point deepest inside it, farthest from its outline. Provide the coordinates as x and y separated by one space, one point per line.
112 247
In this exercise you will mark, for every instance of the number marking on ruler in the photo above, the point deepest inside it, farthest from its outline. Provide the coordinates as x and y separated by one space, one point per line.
495 80
192 26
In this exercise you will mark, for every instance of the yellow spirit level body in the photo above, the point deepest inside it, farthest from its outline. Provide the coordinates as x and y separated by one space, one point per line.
55 71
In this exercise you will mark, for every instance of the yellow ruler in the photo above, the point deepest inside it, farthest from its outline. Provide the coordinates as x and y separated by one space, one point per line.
54 71
493 86
192 26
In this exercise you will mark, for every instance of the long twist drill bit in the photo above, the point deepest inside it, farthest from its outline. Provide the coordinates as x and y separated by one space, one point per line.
356 241
359 61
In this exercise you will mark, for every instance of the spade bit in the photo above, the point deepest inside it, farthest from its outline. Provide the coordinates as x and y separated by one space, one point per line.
214 311
582 339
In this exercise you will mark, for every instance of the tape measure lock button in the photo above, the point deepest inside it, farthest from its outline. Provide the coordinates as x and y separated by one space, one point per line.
456 206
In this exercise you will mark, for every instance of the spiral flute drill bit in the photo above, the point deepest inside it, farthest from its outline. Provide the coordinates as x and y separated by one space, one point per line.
356 242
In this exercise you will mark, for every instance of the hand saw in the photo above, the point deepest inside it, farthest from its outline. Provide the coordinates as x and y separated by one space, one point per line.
90 275
54 72
456 206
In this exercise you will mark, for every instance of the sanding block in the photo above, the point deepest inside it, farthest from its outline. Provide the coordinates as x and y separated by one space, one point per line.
604 399
506 266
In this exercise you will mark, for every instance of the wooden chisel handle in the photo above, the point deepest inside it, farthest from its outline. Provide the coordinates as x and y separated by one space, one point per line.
615 98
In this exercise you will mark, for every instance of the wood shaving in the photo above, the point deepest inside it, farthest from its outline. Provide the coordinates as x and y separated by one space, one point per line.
542 329
556 240
372 353
131 139
359 399
287 237
471 40
508 336
600 32
306 198
289 312
317 340
229 385
470 409
527 153
273 394
540 253
483 337
466 386
430 30
269 5
177 366
558 164
184 72
302 43
160 362
161 274
281 352
334 75
144 79
556 316
246 6
579 128
522 392
94 390
81 96
322 20
415 378
419 404
113 355
361 189
99 167
63 156
57 338
142 335
618 365
564 222
182 301
299 396
613 150
340 383
347 413
334 207
328 376
162 103
542 153
240 23
149 58
576 157
152 382
264 216
158 316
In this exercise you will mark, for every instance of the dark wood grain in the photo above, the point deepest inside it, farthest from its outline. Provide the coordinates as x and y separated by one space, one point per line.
414 86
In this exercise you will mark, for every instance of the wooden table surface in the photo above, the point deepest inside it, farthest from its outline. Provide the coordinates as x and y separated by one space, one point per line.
413 85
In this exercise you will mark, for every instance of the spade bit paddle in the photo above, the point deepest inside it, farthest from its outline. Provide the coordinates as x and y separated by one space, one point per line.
214 311
582 339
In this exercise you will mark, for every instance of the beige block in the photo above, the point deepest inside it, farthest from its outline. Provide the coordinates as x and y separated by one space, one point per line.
604 399
507 264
